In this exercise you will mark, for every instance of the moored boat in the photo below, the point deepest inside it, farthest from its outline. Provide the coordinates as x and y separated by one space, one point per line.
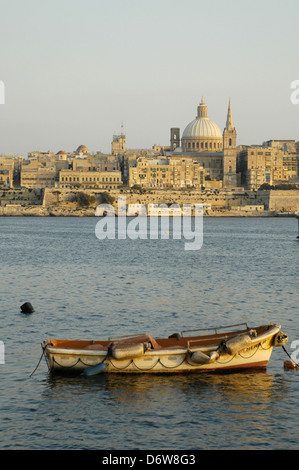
239 348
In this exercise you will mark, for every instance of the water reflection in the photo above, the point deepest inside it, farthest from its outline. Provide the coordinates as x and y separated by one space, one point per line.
127 388
206 411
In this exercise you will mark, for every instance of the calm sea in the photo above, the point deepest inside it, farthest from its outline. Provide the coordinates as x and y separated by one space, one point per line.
84 288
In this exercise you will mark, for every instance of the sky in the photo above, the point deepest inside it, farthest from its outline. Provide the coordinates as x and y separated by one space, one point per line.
75 70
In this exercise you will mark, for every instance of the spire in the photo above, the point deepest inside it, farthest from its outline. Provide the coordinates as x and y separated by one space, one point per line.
229 120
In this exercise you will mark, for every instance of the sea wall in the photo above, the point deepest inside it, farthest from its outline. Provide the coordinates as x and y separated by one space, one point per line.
64 202
284 201
21 196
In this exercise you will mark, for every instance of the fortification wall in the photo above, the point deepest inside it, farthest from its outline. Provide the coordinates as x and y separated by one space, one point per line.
220 200
61 202
285 201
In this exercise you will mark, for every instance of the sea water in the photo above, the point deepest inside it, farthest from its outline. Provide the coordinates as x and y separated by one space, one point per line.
85 288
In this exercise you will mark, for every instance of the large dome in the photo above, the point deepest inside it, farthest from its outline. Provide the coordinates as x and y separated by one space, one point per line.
202 128
202 134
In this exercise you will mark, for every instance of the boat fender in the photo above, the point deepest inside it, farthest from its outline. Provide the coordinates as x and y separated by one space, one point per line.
236 344
214 356
94 370
280 339
201 358
127 350
176 336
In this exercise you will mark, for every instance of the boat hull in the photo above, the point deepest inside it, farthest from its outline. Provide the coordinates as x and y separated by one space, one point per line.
166 358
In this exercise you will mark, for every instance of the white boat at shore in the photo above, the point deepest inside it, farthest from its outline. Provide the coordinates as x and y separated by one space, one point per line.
221 351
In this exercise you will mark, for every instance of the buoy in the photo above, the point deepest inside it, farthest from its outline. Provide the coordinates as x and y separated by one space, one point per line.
290 365
27 308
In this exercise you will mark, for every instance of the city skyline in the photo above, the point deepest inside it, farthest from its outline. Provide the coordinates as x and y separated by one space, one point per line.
75 71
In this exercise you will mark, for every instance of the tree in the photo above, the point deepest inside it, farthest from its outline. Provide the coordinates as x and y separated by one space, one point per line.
107 198
84 200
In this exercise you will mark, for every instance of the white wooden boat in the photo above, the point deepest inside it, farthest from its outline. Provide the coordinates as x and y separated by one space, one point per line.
239 348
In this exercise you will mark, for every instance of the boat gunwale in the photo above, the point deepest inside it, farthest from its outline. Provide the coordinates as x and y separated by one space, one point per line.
170 350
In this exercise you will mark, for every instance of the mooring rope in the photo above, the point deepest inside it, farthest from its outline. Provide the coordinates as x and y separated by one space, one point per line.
289 356
38 362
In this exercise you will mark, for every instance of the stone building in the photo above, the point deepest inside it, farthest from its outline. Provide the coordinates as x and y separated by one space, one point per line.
288 146
7 167
41 156
98 162
290 159
267 164
166 173
203 141
89 179
35 174
41 170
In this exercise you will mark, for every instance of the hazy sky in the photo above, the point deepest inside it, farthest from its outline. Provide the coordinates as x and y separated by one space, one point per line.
74 70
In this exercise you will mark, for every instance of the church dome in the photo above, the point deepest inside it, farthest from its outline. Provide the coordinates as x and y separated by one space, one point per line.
82 149
202 128
202 134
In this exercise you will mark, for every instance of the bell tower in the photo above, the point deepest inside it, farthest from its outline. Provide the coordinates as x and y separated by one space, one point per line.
230 178
118 145
174 138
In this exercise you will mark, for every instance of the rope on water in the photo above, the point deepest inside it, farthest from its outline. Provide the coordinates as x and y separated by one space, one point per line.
37 363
